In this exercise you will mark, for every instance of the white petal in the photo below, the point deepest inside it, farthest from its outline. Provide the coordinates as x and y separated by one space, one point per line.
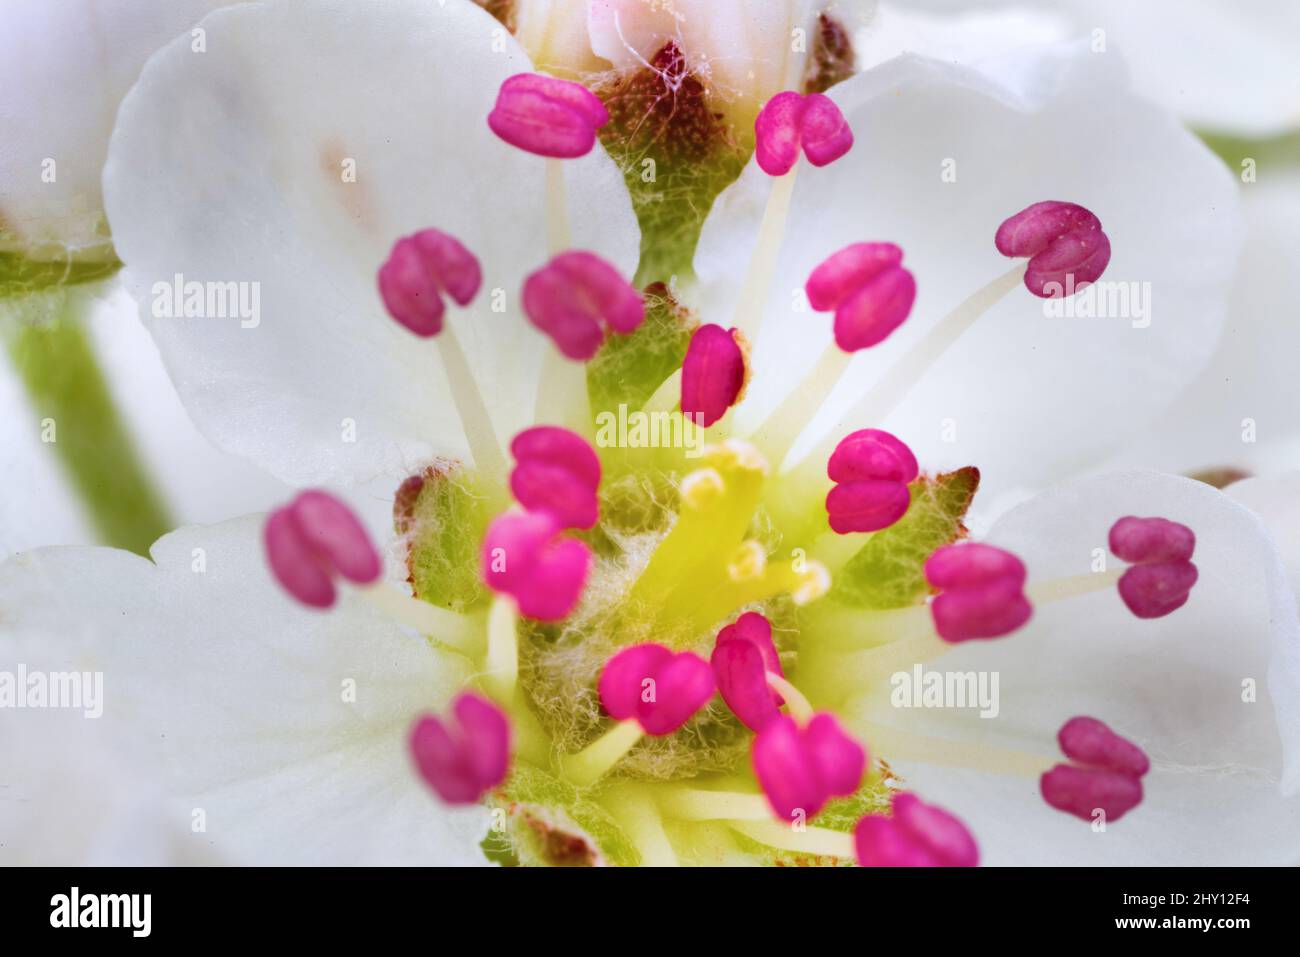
1225 773
1276 500
63 69
241 694
229 166
1029 397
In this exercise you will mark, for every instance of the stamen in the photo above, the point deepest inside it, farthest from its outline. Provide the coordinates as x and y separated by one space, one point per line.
480 435
575 296
589 765
547 116
870 291
501 664
871 469
418 270
524 558
695 804
752 301
411 282
800 769
313 539
465 755
917 835
872 294
713 374
792 120
900 744
886 394
800 707
1065 244
558 472
743 657
649 690
658 688
640 817
462 632
814 841
1106 776
1161 578
982 592
562 385
557 209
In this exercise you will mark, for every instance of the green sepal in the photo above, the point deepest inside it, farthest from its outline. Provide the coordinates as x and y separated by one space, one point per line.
542 821
442 513
628 369
887 571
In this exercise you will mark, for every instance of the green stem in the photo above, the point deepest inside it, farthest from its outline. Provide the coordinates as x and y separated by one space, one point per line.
57 365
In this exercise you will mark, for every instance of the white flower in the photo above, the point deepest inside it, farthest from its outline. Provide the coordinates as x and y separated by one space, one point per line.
286 727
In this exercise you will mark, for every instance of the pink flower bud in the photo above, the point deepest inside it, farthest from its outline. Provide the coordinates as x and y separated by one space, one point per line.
547 116
792 120
870 291
1109 779
713 374
557 471
466 754
981 592
917 835
872 469
659 689
1162 575
742 657
575 296
313 539
1065 244
523 557
801 769
420 268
